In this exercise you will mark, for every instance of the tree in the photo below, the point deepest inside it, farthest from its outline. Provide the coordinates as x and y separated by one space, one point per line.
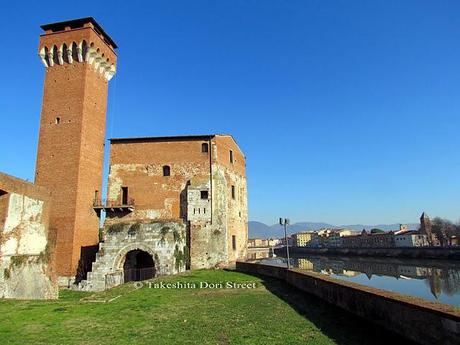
376 231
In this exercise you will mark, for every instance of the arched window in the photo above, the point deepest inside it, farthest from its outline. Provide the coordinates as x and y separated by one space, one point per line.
204 148
65 55
55 55
74 52
166 170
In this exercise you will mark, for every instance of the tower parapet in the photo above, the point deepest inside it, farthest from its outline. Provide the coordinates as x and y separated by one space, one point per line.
78 41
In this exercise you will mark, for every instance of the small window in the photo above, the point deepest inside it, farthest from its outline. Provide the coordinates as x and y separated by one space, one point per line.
124 195
233 192
234 242
57 120
231 156
166 170
204 194
204 148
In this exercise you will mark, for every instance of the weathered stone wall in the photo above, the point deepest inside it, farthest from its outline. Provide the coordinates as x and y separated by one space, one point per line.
419 320
232 211
164 241
206 188
25 252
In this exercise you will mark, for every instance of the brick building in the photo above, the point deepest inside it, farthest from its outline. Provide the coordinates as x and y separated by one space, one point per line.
187 194
173 202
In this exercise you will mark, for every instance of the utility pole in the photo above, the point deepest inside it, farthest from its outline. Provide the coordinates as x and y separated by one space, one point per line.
285 222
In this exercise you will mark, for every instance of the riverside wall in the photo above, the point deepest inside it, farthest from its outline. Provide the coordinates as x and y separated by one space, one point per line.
447 253
419 320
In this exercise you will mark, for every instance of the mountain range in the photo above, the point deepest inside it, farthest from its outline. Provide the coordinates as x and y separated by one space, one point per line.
261 230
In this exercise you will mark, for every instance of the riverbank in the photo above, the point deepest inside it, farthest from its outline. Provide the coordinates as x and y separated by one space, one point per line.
271 313
414 318
451 253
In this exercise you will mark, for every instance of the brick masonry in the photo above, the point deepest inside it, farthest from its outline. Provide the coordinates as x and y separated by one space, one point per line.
217 223
79 61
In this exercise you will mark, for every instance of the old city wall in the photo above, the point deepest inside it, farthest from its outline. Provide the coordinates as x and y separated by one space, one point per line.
25 250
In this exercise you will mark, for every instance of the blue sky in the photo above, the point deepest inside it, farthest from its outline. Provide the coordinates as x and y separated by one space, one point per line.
348 111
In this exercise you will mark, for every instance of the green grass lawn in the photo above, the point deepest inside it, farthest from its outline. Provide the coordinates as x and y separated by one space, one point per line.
264 315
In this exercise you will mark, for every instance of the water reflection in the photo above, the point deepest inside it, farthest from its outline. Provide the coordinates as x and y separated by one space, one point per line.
435 280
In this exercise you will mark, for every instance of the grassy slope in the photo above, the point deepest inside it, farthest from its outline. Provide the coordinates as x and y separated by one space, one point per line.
187 316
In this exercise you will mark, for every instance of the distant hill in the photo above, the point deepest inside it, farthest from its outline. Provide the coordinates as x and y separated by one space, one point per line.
258 229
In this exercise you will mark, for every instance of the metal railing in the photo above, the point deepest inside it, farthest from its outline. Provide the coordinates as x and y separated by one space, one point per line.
137 274
113 203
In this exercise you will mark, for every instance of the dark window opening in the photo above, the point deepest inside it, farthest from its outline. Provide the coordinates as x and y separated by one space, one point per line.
231 156
204 194
234 242
124 195
57 120
233 192
166 170
204 148
3 192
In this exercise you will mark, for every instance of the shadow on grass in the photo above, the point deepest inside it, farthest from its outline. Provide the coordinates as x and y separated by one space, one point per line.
341 326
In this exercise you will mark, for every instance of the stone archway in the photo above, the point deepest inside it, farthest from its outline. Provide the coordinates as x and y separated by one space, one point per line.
138 265
136 262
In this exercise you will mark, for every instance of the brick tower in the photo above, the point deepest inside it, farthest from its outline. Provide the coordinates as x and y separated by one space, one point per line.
79 59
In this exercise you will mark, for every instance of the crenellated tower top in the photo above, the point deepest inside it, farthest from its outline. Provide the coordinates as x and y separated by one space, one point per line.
78 41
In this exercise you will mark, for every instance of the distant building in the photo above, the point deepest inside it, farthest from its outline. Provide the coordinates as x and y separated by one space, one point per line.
303 239
257 242
411 239
272 242
368 240
425 228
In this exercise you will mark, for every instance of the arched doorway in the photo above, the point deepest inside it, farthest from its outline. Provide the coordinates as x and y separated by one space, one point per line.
139 265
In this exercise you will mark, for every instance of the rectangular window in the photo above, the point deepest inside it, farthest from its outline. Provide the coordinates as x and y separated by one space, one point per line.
231 156
124 195
204 148
234 242
204 194
233 192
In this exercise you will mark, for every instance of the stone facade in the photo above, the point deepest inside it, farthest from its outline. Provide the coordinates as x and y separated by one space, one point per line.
165 242
25 254
205 186
193 183
79 60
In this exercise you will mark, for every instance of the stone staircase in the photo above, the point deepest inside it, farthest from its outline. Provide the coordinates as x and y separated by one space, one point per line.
97 278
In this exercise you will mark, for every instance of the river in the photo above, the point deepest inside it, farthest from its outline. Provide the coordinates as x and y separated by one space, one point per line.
433 280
